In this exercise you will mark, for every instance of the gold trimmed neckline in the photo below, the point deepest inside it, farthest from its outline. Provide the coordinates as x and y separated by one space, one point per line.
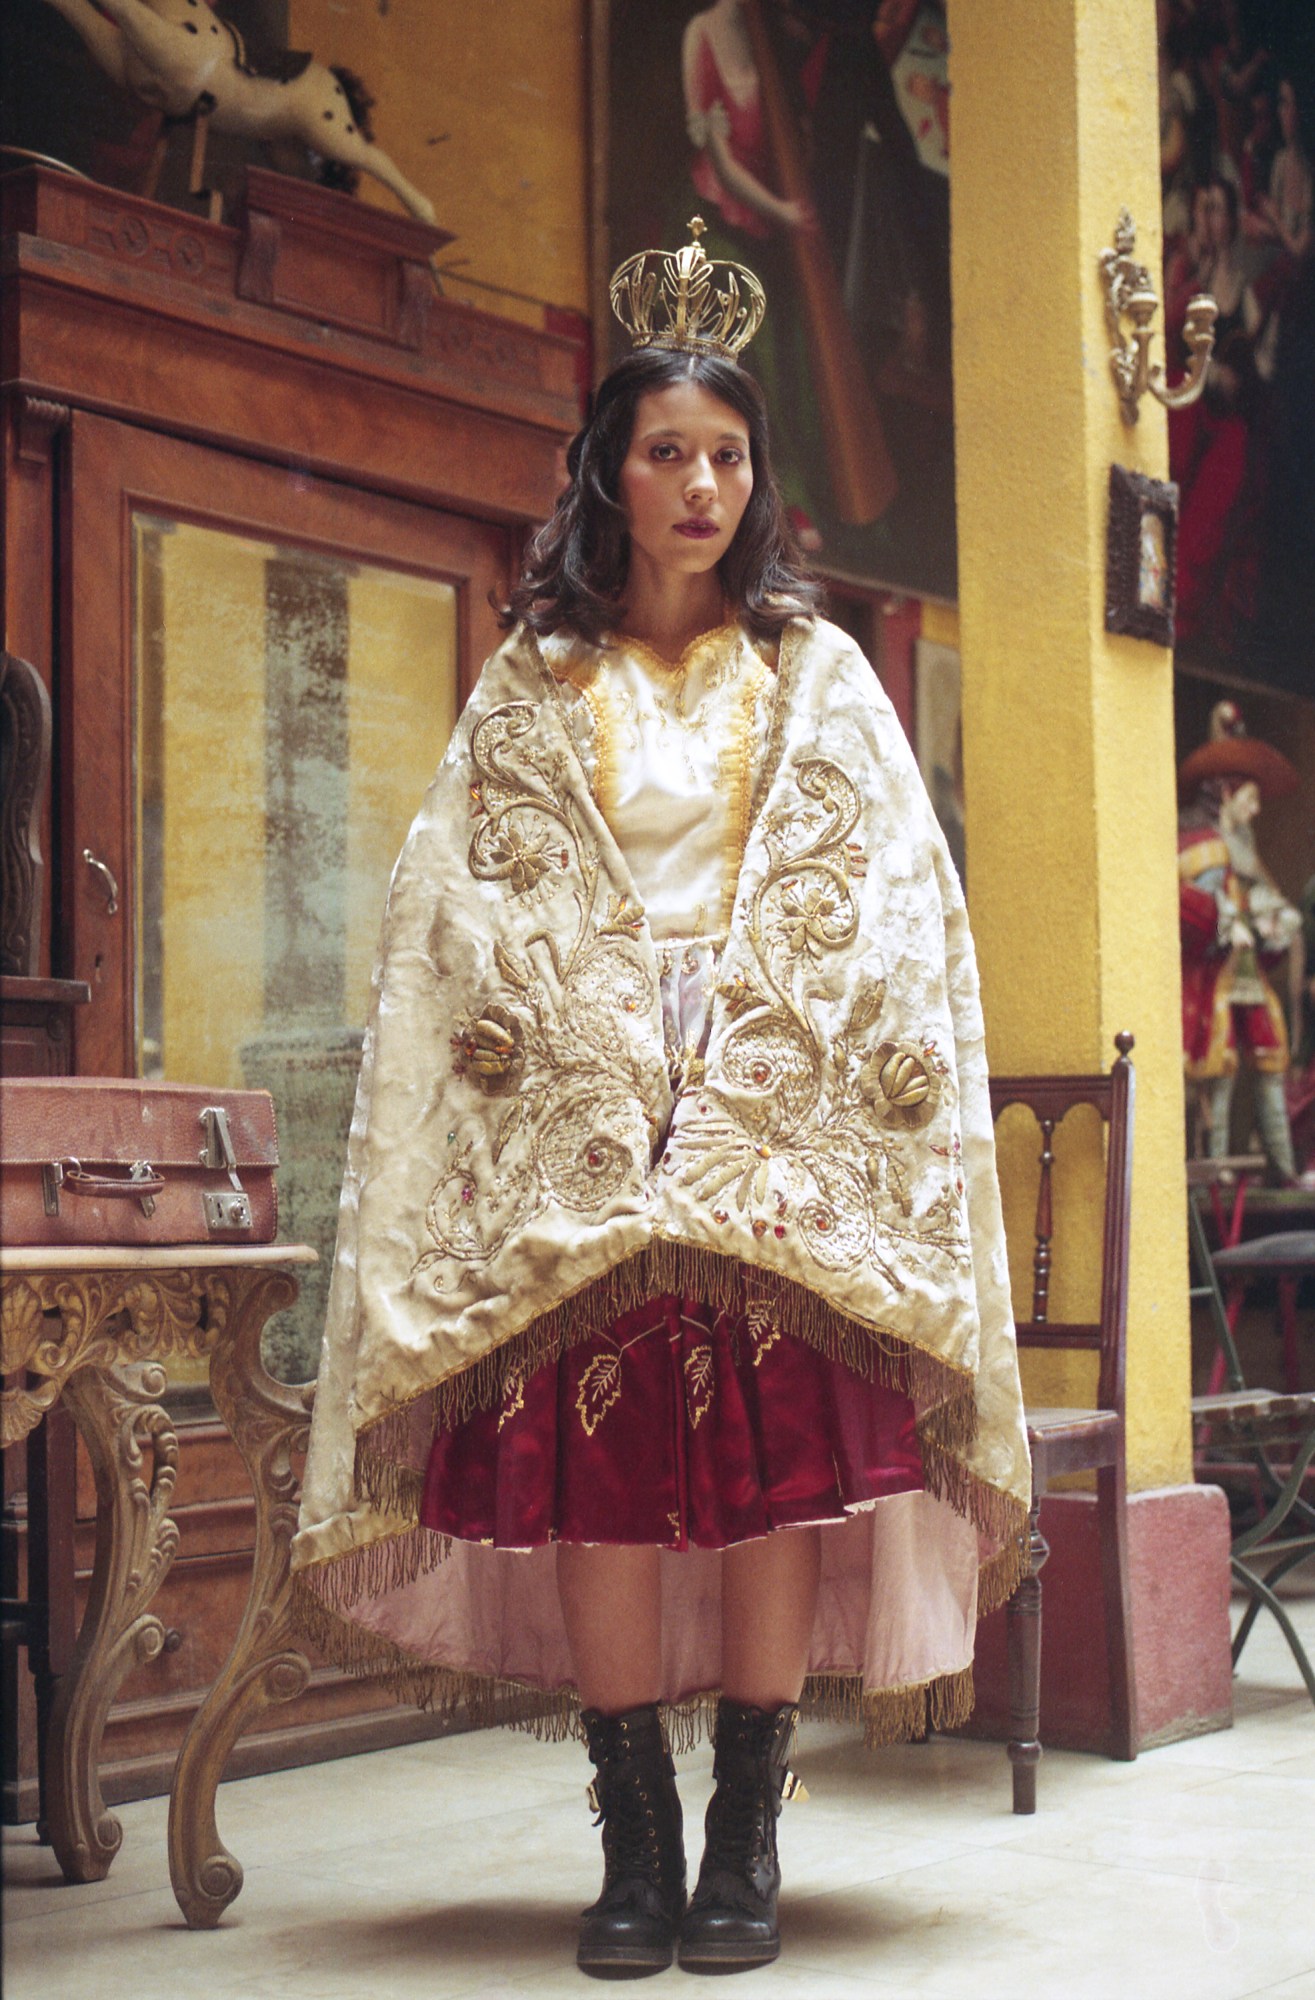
623 641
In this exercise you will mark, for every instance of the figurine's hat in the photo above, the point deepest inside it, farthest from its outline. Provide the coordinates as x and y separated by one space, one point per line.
1231 753
686 300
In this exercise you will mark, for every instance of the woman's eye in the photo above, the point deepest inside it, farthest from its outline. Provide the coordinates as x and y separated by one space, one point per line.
664 453
731 455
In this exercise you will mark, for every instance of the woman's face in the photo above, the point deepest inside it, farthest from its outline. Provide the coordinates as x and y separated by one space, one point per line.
686 478
1287 112
1218 219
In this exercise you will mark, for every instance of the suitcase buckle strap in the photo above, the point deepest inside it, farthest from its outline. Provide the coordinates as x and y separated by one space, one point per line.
222 1210
217 1151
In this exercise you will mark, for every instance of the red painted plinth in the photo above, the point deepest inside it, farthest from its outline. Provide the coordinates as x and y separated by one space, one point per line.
1178 1549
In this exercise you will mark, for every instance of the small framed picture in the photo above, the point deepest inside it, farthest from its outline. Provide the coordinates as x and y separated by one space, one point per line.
1141 551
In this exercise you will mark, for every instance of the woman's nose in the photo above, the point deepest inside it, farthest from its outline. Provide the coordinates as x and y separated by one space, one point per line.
701 478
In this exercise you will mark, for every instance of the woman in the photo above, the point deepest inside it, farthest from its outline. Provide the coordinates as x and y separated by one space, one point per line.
669 1348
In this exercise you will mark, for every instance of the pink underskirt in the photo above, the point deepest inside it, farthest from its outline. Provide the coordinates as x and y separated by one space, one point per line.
676 1427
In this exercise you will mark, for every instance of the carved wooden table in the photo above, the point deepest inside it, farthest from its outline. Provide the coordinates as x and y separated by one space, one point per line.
93 1326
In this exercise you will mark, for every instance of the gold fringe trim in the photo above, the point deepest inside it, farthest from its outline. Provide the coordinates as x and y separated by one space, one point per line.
886 1715
891 1715
943 1393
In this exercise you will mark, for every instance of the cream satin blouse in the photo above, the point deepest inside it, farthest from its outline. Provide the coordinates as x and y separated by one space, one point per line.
672 749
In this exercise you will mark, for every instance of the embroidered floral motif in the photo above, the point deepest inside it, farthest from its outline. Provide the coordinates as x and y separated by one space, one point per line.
600 1386
700 1383
783 1114
492 1050
566 1034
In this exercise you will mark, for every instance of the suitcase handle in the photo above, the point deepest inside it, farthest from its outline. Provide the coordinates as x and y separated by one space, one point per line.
142 1183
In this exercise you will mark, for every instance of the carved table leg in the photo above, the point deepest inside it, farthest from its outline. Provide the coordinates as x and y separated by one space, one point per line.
268 1422
118 1416
1023 1620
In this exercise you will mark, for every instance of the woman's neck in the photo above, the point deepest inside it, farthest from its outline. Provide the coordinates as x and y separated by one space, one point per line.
666 610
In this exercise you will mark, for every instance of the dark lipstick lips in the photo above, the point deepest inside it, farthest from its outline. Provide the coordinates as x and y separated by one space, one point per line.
697 530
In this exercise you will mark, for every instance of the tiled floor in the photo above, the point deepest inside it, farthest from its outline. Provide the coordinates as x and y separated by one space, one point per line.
456 1868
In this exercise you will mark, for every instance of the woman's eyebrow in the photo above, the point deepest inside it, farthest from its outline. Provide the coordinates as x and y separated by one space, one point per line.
671 431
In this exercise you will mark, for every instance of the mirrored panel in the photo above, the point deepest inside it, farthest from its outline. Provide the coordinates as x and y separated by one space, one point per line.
290 709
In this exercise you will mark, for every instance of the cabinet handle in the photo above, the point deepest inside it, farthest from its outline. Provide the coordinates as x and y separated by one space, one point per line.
106 875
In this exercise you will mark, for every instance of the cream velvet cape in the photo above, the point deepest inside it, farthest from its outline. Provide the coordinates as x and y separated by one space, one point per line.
516 1178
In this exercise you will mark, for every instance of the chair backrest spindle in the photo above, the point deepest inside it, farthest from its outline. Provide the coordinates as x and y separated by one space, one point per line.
1044 1227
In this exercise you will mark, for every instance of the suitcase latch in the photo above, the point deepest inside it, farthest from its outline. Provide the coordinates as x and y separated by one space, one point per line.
223 1210
226 1210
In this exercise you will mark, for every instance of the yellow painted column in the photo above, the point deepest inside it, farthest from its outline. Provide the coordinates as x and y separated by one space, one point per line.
1068 731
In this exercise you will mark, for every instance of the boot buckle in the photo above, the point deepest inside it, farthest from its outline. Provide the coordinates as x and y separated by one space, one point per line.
794 1788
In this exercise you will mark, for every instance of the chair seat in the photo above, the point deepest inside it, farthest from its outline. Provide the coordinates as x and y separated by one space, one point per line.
1287 1250
1245 1405
1071 1423
1071 1441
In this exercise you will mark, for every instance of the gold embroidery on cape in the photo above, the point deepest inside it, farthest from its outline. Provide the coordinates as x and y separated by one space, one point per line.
562 1033
798 1136
736 775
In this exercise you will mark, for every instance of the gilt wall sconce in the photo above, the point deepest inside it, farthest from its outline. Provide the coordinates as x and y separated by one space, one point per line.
1141 551
1130 295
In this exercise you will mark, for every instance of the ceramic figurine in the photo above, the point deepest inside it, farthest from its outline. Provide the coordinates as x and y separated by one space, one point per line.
181 58
1237 929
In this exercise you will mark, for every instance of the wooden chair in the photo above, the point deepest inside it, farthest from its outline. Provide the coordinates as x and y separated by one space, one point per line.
1077 1440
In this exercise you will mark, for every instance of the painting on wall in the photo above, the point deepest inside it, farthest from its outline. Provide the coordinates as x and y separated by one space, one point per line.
1237 146
813 138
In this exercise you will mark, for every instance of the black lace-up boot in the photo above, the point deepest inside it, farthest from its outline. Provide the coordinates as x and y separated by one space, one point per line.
632 1928
731 1920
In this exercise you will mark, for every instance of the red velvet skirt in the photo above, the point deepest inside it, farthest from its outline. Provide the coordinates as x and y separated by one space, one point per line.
676 1426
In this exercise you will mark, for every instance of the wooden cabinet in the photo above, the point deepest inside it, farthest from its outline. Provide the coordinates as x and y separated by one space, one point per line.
261 483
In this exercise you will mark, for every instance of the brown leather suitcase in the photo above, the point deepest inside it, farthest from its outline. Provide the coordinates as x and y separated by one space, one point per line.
89 1159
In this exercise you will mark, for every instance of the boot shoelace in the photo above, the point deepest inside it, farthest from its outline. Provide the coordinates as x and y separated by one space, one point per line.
630 1837
738 1829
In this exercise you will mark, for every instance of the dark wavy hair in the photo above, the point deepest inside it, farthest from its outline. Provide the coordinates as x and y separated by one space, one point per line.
576 566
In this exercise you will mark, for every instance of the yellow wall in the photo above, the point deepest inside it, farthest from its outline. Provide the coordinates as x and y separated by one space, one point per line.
506 82
1068 742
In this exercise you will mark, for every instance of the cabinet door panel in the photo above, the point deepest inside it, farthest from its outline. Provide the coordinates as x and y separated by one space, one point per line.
260 673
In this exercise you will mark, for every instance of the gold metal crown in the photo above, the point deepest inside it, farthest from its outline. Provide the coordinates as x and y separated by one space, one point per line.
683 299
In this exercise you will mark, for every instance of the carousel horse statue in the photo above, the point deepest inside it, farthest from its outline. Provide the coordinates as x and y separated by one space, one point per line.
180 58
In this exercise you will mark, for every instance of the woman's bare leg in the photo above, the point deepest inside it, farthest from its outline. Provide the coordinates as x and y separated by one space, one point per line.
611 1602
768 1603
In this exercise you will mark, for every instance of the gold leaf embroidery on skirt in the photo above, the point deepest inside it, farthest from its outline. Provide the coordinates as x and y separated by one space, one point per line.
699 1383
763 1330
513 1397
600 1386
